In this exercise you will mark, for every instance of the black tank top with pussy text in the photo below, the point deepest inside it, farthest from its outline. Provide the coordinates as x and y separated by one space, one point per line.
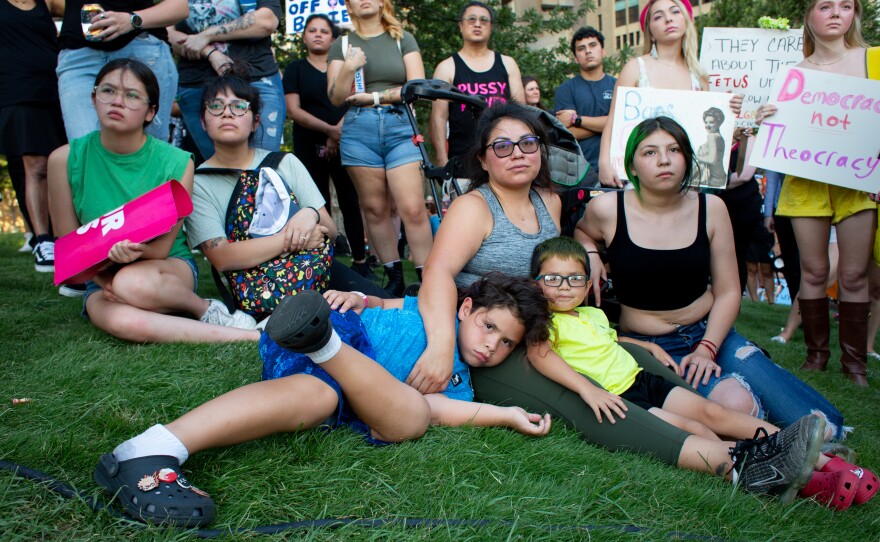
492 84
659 280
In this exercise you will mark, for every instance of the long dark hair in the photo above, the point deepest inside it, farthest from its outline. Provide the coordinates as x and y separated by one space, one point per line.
486 123
648 127
142 72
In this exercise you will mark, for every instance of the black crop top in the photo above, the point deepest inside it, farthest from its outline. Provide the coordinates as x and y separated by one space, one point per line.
659 280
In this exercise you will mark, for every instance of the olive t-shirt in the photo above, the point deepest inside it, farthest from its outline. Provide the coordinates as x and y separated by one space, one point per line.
385 68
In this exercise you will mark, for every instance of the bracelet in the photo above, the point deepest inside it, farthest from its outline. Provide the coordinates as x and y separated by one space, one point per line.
317 214
364 297
712 346
592 252
208 57
376 100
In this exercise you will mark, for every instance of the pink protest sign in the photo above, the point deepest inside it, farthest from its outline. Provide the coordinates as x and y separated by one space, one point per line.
825 129
80 254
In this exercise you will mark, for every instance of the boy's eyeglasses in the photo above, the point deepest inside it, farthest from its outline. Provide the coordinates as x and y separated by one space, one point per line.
106 94
472 20
555 281
503 149
218 107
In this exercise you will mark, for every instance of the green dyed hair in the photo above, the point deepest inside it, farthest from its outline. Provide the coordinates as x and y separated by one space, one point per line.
648 127
564 248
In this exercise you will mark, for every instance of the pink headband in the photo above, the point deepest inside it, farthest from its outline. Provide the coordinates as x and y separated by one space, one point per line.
686 3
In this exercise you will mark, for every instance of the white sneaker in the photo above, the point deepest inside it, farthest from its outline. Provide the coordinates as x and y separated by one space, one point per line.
261 325
778 339
218 314
26 247
44 256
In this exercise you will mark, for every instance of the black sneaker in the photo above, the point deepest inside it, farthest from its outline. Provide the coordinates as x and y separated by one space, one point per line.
72 290
782 463
341 248
301 322
44 254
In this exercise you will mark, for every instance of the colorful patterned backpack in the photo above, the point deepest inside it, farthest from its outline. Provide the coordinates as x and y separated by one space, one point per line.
259 289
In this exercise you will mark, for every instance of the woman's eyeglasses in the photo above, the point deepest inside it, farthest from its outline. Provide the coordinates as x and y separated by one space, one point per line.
527 145
106 94
218 106
555 281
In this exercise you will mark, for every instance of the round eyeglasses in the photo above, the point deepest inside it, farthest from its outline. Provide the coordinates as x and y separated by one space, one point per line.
217 107
504 148
106 94
555 281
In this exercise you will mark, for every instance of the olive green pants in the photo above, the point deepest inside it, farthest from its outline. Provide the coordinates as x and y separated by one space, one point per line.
516 382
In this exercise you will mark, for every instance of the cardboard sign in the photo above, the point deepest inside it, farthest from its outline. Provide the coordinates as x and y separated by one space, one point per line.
80 254
299 10
747 60
633 105
826 129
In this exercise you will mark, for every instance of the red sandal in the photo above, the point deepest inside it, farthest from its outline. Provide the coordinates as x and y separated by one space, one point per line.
868 484
833 489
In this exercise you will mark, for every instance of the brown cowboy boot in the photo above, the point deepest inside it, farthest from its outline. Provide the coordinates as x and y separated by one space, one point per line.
854 340
817 329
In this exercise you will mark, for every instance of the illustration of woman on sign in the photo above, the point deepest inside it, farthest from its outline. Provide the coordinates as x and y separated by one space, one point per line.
711 153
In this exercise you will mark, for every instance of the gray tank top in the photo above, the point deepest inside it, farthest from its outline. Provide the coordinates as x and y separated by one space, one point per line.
507 249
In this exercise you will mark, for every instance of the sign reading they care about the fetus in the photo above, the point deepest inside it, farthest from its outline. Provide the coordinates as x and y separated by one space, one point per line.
705 116
299 10
826 129
747 60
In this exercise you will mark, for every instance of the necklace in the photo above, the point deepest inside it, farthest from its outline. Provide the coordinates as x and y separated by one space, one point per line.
827 63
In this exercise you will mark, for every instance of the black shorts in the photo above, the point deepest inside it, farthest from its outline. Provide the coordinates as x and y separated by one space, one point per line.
649 390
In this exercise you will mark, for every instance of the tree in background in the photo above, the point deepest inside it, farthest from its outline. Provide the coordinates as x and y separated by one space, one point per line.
745 14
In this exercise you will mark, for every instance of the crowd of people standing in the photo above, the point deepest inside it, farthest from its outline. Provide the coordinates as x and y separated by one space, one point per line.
88 116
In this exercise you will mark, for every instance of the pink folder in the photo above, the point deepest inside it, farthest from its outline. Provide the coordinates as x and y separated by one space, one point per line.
80 254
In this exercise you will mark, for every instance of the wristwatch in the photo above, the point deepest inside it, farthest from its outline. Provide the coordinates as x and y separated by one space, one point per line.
577 122
136 22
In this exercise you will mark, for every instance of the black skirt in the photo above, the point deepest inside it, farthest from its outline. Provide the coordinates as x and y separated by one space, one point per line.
31 128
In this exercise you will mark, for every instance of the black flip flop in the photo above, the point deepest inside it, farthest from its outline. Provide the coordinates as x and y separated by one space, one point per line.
154 490
301 322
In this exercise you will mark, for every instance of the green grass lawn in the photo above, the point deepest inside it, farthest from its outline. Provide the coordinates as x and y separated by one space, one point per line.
90 391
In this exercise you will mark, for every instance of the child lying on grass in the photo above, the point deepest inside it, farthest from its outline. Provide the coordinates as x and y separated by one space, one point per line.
334 367
582 343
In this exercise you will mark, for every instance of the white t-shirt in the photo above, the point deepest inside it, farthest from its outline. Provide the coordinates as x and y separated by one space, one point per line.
211 194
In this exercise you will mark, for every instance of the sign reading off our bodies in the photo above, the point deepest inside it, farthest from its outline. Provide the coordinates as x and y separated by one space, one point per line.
688 108
746 60
299 10
825 129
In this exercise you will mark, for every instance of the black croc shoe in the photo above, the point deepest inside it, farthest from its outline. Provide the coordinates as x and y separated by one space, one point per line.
301 322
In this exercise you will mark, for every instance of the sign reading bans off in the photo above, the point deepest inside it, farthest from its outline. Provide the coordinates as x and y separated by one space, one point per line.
299 10
825 129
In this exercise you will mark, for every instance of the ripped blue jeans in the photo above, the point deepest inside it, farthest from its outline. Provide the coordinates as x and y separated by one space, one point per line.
780 396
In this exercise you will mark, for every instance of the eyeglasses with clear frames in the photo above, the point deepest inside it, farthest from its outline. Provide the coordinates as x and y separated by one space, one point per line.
106 94
504 148
217 107
472 20
555 281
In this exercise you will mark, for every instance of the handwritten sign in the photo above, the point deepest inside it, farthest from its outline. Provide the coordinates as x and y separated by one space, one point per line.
746 61
299 10
825 130
697 112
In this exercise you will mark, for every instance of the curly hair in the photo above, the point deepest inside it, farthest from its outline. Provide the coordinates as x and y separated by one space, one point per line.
522 296
715 113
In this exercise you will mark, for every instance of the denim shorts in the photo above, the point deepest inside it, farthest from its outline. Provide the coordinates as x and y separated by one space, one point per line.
377 137
92 287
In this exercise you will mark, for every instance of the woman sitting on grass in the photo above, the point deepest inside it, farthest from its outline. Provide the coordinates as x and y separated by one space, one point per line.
322 371
583 344
97 173
688 298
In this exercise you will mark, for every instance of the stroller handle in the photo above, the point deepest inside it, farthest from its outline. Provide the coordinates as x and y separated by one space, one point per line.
436 89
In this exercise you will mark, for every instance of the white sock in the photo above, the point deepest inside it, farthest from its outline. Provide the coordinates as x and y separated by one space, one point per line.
389 265
328 350
157 440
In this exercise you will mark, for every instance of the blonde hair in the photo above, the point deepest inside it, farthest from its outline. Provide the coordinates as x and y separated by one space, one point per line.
389 21
852 39
688 43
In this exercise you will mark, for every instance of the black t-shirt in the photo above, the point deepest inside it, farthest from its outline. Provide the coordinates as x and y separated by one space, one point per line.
256 52
302 78
71 36
29 50
492 84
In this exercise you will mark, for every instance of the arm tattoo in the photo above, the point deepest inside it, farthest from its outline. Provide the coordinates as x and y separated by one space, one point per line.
332 88
212 243
245 21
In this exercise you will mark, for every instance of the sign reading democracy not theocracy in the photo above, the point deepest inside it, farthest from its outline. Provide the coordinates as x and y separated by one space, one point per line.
299 10
826 129
705 116
746 60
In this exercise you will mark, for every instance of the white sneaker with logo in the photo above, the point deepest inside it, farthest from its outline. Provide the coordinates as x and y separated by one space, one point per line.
44 256
219 315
